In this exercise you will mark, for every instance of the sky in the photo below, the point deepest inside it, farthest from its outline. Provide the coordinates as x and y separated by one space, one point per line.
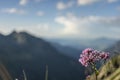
62 18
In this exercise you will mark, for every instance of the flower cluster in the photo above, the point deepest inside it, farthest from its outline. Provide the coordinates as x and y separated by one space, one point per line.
90 56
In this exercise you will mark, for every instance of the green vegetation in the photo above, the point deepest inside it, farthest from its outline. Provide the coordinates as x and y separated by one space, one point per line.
109 71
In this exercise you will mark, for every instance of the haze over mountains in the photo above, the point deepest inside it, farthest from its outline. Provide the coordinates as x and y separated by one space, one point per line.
20 51
73 47
114 49
80 44
67 50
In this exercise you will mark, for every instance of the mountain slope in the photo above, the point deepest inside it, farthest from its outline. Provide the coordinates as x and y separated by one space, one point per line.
67 50
114 49
20 51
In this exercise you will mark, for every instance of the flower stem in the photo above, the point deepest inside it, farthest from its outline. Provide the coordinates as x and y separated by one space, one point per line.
95 69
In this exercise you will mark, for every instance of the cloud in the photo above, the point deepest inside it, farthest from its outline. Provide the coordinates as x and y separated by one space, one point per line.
39 30
40 13
69 23
72 26
23 2
89 26
5 30
87 2
13 11
111 1
42 30
62 5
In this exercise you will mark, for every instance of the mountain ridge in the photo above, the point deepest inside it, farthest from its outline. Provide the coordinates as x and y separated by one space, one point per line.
33 55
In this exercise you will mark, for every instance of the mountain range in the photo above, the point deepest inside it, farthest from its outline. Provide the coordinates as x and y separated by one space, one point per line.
80 44
23 51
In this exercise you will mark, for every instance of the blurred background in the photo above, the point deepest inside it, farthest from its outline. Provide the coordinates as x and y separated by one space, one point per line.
39 33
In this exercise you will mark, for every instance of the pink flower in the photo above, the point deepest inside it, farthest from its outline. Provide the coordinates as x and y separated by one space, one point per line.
83 62
89 56
104 55
87 51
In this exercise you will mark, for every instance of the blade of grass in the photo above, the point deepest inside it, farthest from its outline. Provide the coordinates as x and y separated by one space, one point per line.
24 74
46 73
